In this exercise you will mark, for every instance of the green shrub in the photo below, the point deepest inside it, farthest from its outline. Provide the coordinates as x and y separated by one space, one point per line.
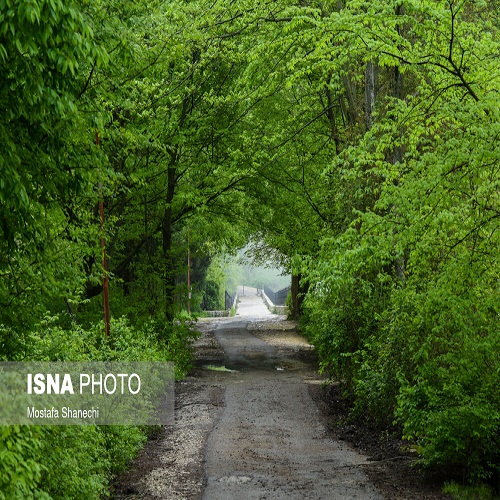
342 310
478 492
63 462
21 464
76 462
420 351
212 296
451 405
179 344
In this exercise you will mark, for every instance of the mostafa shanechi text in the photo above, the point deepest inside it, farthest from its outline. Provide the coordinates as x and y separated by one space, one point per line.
64 412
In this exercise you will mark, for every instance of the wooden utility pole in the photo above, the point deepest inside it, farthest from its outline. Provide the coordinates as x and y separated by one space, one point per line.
105 284
189 277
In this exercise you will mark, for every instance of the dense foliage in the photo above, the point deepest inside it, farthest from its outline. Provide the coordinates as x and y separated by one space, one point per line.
78 461
355 142
404 300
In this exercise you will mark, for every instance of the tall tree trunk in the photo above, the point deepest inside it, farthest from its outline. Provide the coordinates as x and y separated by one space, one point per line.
334 132
370 92
169 276
397 153
397 157
168 219
350 95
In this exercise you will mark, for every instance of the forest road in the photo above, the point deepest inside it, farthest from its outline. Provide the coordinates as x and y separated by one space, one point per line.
246 426
270 441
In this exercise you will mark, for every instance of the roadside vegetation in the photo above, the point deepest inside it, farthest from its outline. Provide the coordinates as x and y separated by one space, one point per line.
354 143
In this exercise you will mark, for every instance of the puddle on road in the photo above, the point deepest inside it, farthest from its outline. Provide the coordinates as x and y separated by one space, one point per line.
216 368
292 365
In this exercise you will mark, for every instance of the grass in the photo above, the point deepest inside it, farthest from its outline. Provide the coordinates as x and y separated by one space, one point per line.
477 492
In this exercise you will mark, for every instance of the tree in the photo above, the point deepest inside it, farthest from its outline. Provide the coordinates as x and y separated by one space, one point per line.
45 162
171 145
404 290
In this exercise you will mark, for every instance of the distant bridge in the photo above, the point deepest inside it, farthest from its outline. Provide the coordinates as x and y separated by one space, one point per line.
275 301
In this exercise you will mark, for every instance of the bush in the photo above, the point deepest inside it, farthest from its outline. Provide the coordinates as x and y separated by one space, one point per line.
343 308
421 352
20 461
212 297
76 462
451 404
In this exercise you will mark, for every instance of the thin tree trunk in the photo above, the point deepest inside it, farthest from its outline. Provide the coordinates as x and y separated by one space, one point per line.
350 95
169 276
334 132
397 154
370 92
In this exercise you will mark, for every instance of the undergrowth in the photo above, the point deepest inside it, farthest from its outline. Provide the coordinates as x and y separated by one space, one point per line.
77 462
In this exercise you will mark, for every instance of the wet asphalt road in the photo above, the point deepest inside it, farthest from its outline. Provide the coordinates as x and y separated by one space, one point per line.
270 442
